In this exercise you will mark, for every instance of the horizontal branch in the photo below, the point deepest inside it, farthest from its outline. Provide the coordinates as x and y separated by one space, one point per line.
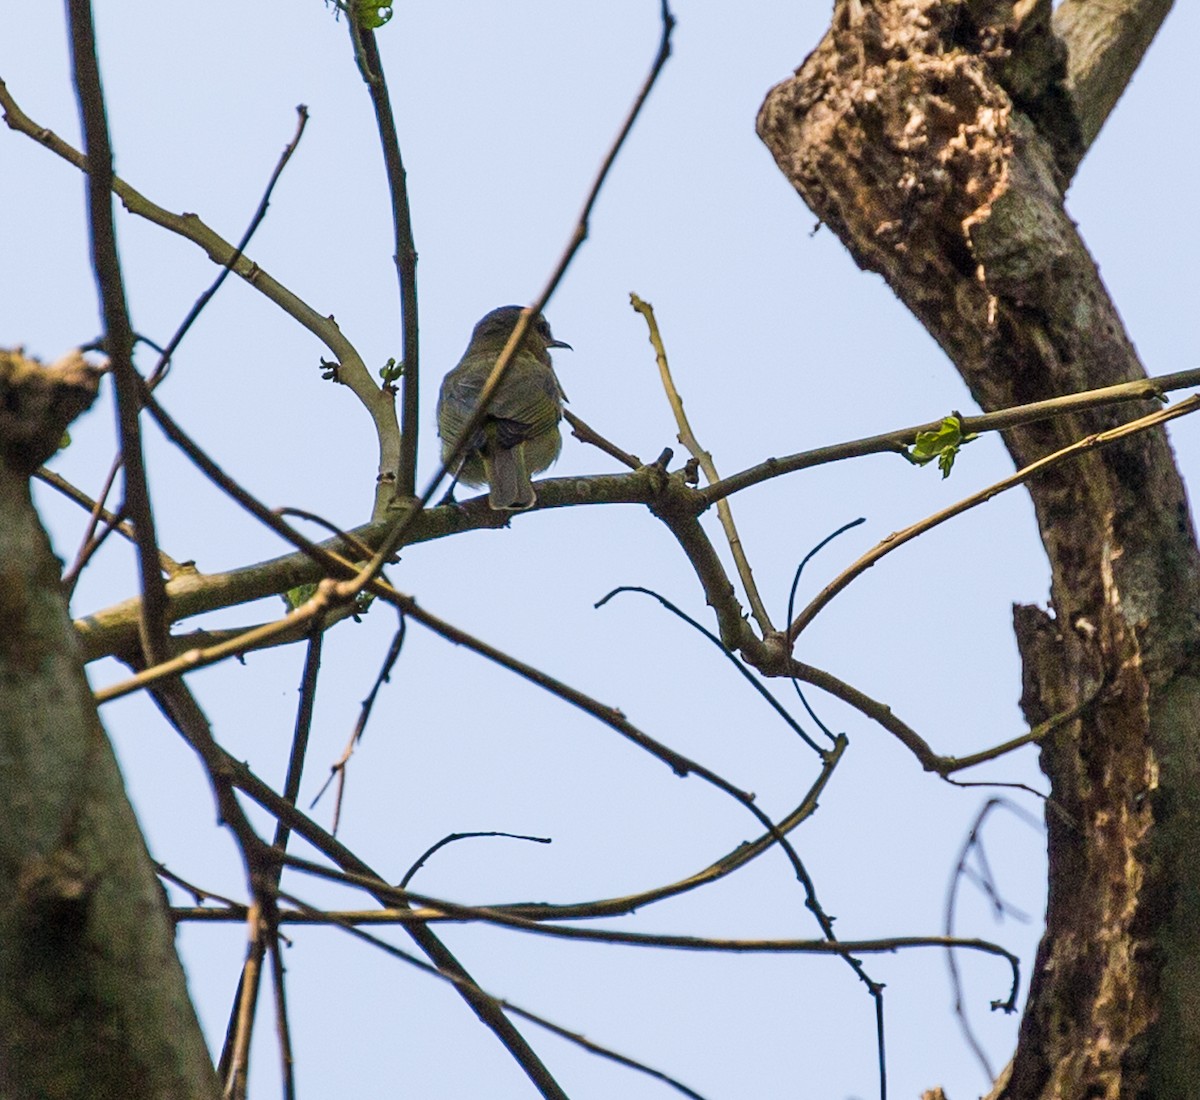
443 911
113 630
900 439
236 914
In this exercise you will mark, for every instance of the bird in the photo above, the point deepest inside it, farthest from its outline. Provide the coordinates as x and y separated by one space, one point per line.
519 435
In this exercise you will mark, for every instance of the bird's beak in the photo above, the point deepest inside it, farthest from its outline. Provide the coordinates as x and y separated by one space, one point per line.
559 344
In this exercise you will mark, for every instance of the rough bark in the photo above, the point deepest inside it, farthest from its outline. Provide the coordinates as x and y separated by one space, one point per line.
92 997
937 138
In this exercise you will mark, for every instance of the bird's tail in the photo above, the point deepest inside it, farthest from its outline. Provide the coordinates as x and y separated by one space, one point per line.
509 487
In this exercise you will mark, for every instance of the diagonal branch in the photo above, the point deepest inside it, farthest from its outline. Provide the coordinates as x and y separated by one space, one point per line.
351 369
899 538
1105 43
688 438
56 481
469 989
898 440
118 333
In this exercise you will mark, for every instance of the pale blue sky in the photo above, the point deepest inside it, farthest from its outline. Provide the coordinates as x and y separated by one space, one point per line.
778 343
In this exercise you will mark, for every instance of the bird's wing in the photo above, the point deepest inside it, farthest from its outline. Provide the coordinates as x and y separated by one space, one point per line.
456 401
529 403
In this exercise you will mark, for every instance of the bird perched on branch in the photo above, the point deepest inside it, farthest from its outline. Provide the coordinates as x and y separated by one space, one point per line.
519 435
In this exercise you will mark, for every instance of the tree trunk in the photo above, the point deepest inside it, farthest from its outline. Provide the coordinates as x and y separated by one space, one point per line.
92 997
937 139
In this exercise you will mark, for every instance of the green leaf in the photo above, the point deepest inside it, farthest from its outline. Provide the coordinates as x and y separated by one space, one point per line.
942 444
391 371
371 15
299 596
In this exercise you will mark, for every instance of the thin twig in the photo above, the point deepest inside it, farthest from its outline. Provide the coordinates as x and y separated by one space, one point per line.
791 605
899 538
199 894
118 333
743 671
164 358
56 481
453 838
251 974
438 909
91 541
969 845
898 440
356 544
366 53
282 1028
235 1074
931 761
337 770
501 1005
688 438
585 433
180 708
352 371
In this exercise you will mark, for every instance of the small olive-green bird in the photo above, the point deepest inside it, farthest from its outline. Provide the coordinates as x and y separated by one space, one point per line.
520 435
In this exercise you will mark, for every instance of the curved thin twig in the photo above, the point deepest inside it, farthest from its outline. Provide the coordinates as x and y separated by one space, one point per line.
746 674
791 605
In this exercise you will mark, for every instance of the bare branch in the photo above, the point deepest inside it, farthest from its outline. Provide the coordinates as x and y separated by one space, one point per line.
260 214
366 53
899 440
688 438
118 333
351 369
585 433
56 481
899 538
